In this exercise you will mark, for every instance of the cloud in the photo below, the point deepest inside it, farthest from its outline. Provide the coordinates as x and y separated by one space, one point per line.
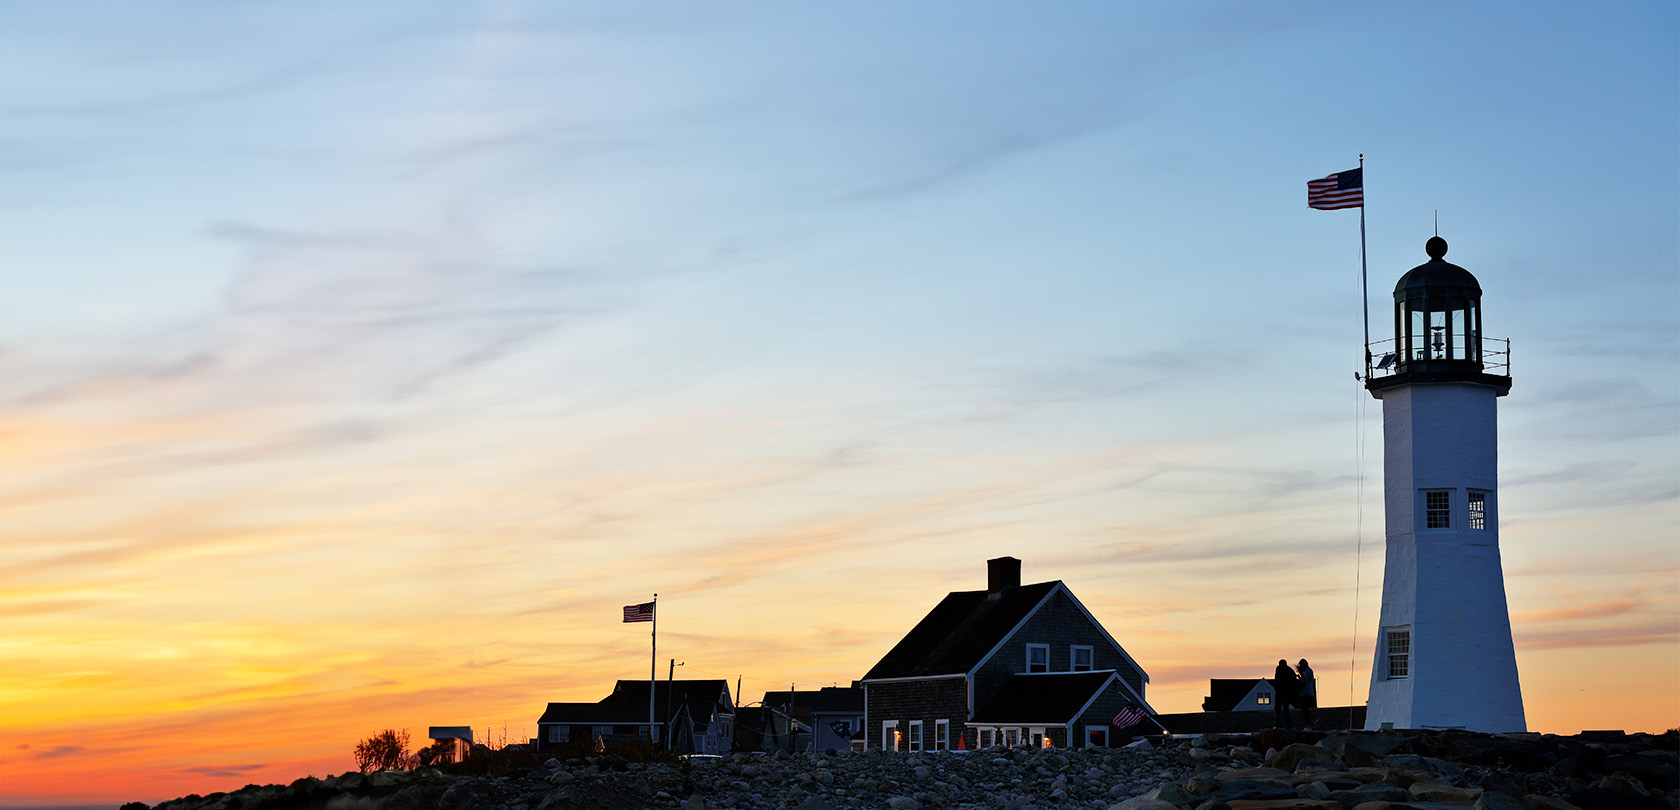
56 751
223 770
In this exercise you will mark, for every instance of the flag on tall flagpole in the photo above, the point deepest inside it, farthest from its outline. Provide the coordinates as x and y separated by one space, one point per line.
639 613
1339 190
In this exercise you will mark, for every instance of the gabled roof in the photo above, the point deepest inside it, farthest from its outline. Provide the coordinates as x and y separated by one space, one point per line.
628 703
701 691
827 700
1050 698
1226 693
618 714
959 632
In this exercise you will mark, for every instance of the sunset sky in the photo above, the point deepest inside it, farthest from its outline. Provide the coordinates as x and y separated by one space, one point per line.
360 361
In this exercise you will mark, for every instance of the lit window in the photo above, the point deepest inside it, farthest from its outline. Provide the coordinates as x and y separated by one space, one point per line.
941 735
1399 653
1264 698
1038 658
1081 657
1437 509
1096 737
915 735
1478 511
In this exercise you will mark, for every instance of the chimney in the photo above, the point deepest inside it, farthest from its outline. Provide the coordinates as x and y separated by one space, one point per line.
1002 574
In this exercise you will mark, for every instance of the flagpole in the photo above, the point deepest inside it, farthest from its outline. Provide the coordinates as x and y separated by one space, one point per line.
1364 293
653 672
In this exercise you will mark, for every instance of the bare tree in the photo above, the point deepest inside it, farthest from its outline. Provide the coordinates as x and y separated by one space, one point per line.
386 750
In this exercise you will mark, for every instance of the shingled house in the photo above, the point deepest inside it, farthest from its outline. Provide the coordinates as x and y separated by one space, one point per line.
1010 665
1239 695
701 714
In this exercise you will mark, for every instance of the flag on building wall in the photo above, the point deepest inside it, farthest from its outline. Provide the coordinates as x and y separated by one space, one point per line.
639 613
1339 190
1129 716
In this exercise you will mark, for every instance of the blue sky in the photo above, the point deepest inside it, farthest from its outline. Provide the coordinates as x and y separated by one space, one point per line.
408 340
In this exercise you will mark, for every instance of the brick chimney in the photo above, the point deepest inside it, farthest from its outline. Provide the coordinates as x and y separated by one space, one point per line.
1002 574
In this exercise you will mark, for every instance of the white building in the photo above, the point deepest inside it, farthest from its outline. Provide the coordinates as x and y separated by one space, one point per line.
1444 657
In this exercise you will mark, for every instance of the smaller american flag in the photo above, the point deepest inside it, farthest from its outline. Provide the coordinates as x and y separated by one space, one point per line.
1129 716
639 613
1339 190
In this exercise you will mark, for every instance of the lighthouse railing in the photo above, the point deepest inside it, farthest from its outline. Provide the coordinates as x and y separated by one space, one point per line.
1382 358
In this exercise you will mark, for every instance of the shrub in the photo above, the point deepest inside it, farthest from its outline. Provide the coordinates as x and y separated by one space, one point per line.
386 750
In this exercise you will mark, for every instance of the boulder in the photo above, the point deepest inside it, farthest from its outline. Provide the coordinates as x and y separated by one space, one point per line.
1234 790
1143 803
1294 754
1495 752
1597 798
1374 792
1272 775
1285 804
1493 800
1443 793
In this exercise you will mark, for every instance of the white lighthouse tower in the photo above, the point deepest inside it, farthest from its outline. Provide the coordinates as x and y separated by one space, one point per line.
1444 657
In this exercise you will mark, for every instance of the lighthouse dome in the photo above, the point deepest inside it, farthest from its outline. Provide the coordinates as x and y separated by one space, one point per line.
1437 277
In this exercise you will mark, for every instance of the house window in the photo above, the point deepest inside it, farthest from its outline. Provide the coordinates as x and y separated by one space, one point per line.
915 735
987 738
1096 737
1399 654
559 734
599 732
1264 698
1437 509
1011 737
1038 739
1038 658
1081 656
889 735
1478 511
941 735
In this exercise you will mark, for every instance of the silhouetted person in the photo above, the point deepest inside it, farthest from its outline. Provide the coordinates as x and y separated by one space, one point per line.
1286 685
1309 693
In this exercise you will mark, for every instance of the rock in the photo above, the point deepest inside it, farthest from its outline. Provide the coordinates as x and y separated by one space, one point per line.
1623 782
1376 792
1539 802
1510 784
1285 804
1294 754
1500 752
1171 794
1443 793
1315 789
1271 775
1143 803
903 803
1654 773
1494 800
815 803
1597 798
1235 790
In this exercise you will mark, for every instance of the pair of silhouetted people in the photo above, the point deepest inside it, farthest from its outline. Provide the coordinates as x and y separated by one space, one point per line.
1293 687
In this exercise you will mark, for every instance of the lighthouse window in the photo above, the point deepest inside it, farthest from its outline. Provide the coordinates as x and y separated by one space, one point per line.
1399 653
1437 509
1478 511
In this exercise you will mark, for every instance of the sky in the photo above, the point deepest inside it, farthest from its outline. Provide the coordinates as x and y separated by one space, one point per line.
359 362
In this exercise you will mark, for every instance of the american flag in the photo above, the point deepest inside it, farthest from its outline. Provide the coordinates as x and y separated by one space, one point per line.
639 613
1129 716
1339 190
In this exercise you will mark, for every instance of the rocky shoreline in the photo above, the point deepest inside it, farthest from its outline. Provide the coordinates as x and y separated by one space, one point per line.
1273 770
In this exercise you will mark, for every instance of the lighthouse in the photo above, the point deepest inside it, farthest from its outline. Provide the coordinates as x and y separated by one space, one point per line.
1444 657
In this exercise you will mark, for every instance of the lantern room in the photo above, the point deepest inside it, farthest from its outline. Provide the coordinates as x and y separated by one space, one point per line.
1438 328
